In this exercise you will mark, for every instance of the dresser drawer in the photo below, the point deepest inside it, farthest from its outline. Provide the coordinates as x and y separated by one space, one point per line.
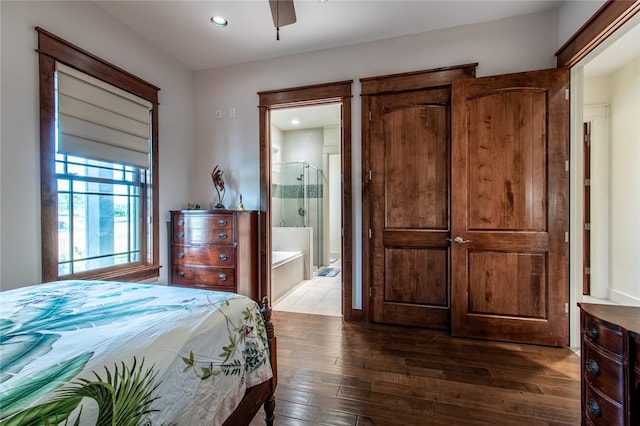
602 411
603 372
203 228
212 221
220 255
194 276
602 334
191 235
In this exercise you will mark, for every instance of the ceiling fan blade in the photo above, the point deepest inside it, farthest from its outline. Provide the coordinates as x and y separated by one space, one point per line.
282 12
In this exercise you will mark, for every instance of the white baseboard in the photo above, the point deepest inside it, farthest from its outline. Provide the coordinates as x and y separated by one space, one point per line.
623 299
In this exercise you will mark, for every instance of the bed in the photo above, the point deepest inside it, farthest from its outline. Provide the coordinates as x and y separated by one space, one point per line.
101 352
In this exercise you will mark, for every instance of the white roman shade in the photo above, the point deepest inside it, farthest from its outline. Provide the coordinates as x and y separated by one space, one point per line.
100 121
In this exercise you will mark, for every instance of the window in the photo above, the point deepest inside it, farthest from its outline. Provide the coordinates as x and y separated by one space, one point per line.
98 167
99 214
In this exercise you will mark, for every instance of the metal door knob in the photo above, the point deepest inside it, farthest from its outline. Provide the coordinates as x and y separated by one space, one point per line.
460 240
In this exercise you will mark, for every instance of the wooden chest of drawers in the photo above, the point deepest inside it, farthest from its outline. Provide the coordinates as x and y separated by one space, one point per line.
610 364
215 250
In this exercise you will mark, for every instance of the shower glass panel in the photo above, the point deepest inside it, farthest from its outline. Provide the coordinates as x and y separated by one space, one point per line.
297 194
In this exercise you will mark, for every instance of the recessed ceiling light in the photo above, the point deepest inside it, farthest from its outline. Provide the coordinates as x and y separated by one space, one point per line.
219 21
295 121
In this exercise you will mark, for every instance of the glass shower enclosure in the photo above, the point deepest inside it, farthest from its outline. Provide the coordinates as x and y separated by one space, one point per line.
297 201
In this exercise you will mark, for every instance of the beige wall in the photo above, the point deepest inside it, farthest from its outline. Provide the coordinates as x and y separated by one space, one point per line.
612 106
624 243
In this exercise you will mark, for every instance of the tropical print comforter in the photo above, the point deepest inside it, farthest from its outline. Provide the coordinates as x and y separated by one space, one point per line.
106 353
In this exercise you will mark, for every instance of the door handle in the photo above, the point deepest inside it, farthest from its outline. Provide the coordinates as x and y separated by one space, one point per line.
460 240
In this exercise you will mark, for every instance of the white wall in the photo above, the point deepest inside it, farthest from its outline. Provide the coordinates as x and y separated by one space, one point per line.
303 145
615 198
335 200
573 14
92 29
624 243
510 45
590 92
596 90
333 195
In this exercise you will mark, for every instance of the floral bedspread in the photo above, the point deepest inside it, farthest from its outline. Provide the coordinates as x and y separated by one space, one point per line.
107 353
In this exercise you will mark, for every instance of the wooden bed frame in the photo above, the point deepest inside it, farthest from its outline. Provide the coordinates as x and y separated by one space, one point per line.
262 394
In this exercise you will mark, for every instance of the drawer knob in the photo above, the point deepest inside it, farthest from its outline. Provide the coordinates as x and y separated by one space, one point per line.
180 234
592 333
222 256
222 236
181 255
222 222
593 367
594 408
181 222
222 277
180 273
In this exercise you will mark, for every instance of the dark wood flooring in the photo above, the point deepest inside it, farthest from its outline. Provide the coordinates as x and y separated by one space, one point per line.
332 372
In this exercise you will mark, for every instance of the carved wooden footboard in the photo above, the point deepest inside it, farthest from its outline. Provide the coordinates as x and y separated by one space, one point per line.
262 394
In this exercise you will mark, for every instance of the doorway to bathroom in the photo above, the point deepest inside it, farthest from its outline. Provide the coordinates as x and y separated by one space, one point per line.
306 208
292 181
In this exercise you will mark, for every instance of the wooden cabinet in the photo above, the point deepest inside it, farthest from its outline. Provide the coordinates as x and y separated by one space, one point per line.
610 364
215 250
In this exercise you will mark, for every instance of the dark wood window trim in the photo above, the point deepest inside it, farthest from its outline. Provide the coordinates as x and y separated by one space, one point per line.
51 49
300 96
611 16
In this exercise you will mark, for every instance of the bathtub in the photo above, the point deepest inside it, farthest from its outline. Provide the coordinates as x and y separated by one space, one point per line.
287 271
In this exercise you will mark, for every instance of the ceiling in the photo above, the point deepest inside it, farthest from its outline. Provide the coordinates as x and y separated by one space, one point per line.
183 30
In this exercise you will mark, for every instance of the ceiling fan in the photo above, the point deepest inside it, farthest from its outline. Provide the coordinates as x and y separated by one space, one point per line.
283 13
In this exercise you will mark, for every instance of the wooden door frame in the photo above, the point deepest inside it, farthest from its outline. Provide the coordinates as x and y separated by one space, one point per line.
336 92
611 16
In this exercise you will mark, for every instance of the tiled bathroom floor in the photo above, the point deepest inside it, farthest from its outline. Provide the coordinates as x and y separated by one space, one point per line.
319 296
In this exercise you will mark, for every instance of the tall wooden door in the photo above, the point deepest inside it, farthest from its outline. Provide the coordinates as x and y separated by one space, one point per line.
407 152
509 258
410 164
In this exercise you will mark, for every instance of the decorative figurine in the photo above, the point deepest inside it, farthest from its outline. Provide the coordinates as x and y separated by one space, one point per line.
218 183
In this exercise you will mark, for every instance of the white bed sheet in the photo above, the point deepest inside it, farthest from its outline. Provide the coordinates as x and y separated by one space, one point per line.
172 355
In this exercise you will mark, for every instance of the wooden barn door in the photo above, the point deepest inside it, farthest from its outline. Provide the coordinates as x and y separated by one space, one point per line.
510 207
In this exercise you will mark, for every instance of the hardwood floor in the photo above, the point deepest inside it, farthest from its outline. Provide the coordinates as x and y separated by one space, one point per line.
332 372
